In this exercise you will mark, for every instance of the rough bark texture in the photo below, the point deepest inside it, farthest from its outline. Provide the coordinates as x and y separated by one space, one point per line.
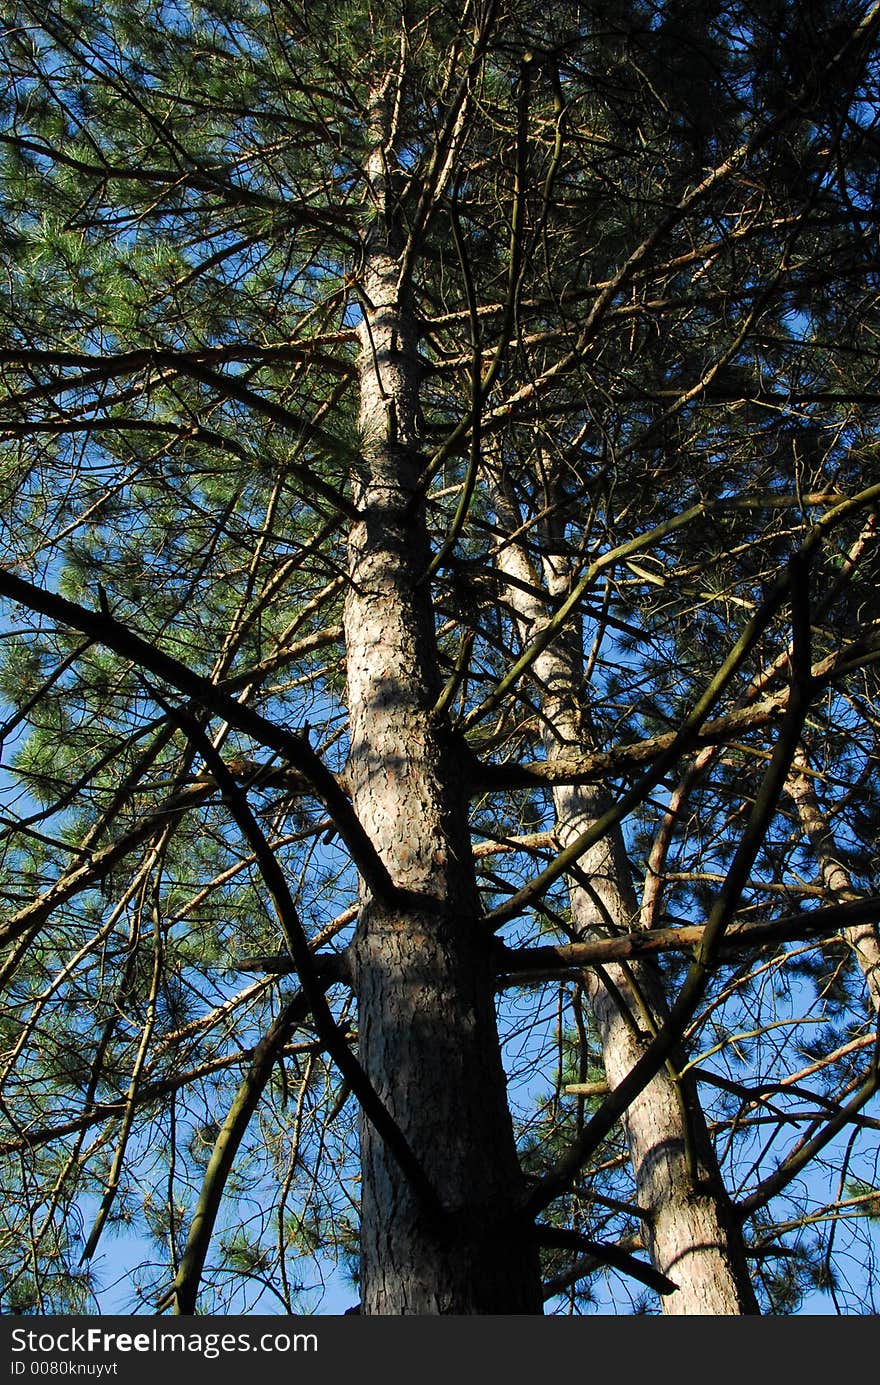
428 1038
862 939
691 1233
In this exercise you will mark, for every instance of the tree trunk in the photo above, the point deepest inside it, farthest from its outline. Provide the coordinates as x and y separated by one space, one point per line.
691 1230
428 1037
862 939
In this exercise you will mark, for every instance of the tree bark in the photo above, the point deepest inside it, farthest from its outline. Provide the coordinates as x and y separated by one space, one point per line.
692 1233
428 1037
862 938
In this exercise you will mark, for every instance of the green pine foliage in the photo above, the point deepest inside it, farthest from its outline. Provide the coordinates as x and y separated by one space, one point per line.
641 247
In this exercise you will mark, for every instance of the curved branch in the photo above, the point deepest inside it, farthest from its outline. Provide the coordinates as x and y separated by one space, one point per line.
601 1252
183 1292
295 748
326 1027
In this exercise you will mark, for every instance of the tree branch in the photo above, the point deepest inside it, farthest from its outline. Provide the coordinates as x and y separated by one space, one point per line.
106 630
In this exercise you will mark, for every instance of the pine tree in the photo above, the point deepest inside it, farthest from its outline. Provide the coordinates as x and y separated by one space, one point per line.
439 663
